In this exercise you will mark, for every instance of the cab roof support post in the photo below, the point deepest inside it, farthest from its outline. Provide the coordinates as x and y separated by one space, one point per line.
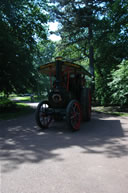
58 73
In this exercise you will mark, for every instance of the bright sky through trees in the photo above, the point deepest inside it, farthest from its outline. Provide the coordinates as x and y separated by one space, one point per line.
52 28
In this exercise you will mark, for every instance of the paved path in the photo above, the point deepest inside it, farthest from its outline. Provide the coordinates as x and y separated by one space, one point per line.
93 160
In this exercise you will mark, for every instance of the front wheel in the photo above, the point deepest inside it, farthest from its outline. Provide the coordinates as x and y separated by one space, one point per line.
73 115
42 115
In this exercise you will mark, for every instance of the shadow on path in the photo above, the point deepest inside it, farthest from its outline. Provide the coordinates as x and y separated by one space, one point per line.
21 141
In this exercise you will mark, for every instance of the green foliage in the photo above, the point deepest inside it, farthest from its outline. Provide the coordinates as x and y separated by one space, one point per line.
102 90
85 26
11 110
22 23
119 84
71 52
46 51
6 104
107 37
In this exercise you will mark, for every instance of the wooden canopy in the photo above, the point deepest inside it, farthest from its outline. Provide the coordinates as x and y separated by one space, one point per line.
72 68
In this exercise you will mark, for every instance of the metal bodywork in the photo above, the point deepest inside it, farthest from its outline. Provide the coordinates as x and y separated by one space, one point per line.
69 81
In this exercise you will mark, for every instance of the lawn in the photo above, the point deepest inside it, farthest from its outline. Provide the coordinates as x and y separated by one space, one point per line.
113 110
12 109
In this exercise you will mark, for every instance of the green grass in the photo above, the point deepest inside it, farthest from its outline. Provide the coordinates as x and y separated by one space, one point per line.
110 110
15 106
11 110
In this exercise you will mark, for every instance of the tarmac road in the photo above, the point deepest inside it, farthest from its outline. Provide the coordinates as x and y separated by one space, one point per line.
93 160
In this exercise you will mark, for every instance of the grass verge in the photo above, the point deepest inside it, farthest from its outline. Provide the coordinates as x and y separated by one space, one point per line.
11 110
111 110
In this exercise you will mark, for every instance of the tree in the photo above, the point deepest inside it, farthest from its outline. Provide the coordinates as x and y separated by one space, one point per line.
111 47
22 23
45 54
99 28
78 20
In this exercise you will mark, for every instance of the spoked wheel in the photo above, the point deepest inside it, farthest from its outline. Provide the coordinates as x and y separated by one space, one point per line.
43 116
73 115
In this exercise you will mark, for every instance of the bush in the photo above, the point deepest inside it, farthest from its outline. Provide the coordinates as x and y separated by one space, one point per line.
102 91
6 105
119 84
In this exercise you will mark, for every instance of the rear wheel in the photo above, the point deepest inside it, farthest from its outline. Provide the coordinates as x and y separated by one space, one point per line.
43 116
73 115
86 104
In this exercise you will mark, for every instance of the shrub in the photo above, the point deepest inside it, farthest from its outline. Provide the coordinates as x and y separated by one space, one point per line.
119 84
6 104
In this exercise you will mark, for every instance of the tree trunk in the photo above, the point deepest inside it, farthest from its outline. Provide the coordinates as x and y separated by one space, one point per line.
91 55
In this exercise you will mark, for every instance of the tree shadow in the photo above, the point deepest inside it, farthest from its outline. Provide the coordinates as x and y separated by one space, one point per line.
21 141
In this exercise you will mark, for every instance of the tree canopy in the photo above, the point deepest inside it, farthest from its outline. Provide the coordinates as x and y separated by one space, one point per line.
98 29
22 23
94 33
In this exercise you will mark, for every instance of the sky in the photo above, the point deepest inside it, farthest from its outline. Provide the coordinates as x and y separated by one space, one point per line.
53 27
